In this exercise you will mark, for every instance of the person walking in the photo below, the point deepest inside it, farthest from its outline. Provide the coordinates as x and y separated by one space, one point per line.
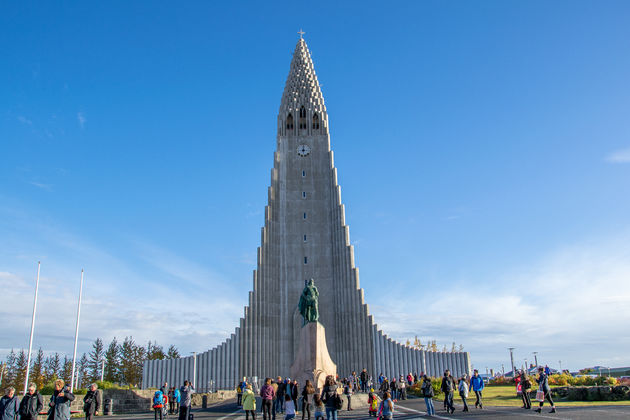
186 392
249 402
91 402
463 391
543 385
427 391
267 394
476 384
384 386
31 404
526 385
330 398
307 399
60 402
448 387
386 410
9 405
402 388
158 404
372 403
393 389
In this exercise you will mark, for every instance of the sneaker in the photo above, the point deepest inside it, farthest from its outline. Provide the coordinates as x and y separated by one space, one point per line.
553 410
538 410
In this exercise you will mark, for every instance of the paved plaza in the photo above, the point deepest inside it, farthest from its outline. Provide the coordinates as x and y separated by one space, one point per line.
414 408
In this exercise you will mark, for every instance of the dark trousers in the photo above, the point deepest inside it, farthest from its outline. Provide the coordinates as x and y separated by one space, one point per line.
464 401
171 406
239 399
183 412
349 397
306 408
88 416
448 399
527 400
158 412
266 409
248 412
478 402
548 397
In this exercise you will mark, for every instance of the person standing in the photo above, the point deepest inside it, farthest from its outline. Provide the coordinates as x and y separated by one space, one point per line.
329 397
267 395
384 386
463 391
347 391
387 407
364 377
91 402
476 384
372 403
249 402
295 392
427 391
526 385
186 392
171 400
31 404
402 388
164 388
448 387
60 402
9 405
178 399
307 399
543 385
282 387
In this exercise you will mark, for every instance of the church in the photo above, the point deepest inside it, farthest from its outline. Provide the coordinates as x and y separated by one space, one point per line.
305 236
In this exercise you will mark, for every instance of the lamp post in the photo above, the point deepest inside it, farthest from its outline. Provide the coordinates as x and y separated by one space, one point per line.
194 375
30 340
560 363
535 357
76 335
102 369
511 349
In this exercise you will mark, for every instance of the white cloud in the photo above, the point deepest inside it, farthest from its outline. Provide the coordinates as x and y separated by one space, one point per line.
620 156
24 120
46 187
81 118
572 306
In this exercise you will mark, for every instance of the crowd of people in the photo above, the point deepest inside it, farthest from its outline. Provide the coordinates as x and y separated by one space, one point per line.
173 400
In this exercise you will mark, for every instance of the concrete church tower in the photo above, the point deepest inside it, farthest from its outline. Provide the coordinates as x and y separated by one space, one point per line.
305 236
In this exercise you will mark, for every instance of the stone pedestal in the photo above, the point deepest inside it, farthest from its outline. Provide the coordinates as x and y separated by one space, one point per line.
312 360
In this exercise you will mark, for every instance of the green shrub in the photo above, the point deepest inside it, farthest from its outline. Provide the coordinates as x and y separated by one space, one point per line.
436 383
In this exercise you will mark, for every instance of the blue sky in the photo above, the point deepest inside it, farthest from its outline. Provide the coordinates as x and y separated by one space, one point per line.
483 151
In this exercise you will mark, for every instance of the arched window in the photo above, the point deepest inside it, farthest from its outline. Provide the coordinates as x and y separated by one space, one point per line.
290 122
315 122
302 123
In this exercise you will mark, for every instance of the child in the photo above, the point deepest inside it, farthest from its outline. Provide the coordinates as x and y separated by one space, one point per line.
320 410
372 403
289 408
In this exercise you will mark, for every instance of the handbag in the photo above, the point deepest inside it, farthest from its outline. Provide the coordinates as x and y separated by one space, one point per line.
540 395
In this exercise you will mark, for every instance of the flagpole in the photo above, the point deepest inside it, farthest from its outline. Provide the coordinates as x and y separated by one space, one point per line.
30 341
76 334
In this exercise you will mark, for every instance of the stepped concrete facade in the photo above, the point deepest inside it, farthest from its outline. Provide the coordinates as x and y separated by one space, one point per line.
305 236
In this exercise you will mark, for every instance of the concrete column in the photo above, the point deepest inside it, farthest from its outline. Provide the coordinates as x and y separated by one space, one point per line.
381 368
377 356
390 358
213 367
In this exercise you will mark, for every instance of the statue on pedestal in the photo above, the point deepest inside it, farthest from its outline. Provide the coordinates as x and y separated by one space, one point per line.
308 303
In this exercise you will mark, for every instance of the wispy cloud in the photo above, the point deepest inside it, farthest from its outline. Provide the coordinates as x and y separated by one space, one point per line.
81 118
24 120
620 156
46 187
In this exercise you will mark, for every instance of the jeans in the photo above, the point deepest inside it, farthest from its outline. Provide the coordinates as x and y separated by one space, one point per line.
349 397
279 403
306 408
478 402
289 416
158 412
449 401
548 396
266 409
463 396
183 412
248 412
429 402
331 413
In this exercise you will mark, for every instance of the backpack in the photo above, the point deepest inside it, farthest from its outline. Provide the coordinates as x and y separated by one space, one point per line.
338 401
158 399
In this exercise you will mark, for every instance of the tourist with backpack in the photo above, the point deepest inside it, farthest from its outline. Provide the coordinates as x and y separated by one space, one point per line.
476 384
448 387
91 402
427 391
331 398
372 403
178 398
158 404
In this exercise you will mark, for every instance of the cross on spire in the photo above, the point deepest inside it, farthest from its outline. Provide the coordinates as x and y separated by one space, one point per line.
301 32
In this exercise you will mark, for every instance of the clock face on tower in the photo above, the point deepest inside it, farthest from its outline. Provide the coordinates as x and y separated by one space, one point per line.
303 150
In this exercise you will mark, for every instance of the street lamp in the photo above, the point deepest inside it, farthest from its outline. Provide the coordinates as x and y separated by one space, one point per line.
535 357
194 377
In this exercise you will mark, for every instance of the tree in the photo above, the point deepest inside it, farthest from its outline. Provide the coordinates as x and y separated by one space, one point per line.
82 368
454 348
21 364
112 362
155 352
10 370
52 368
66 370
37 370
172 353
130 354
97 355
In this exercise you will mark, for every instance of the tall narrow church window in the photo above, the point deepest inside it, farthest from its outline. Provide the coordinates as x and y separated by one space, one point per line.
302 123
303 173
304 238
315 122
303 194
305 260
305 215
290 122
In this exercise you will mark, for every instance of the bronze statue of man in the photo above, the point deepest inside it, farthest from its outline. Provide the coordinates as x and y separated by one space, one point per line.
308 303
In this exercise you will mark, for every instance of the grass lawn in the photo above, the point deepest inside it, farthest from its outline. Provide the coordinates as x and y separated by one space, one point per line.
505 395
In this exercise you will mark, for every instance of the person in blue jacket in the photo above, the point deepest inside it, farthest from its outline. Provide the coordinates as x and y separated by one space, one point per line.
476 385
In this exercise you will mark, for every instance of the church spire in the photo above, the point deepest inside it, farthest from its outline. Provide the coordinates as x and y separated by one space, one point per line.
302 99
